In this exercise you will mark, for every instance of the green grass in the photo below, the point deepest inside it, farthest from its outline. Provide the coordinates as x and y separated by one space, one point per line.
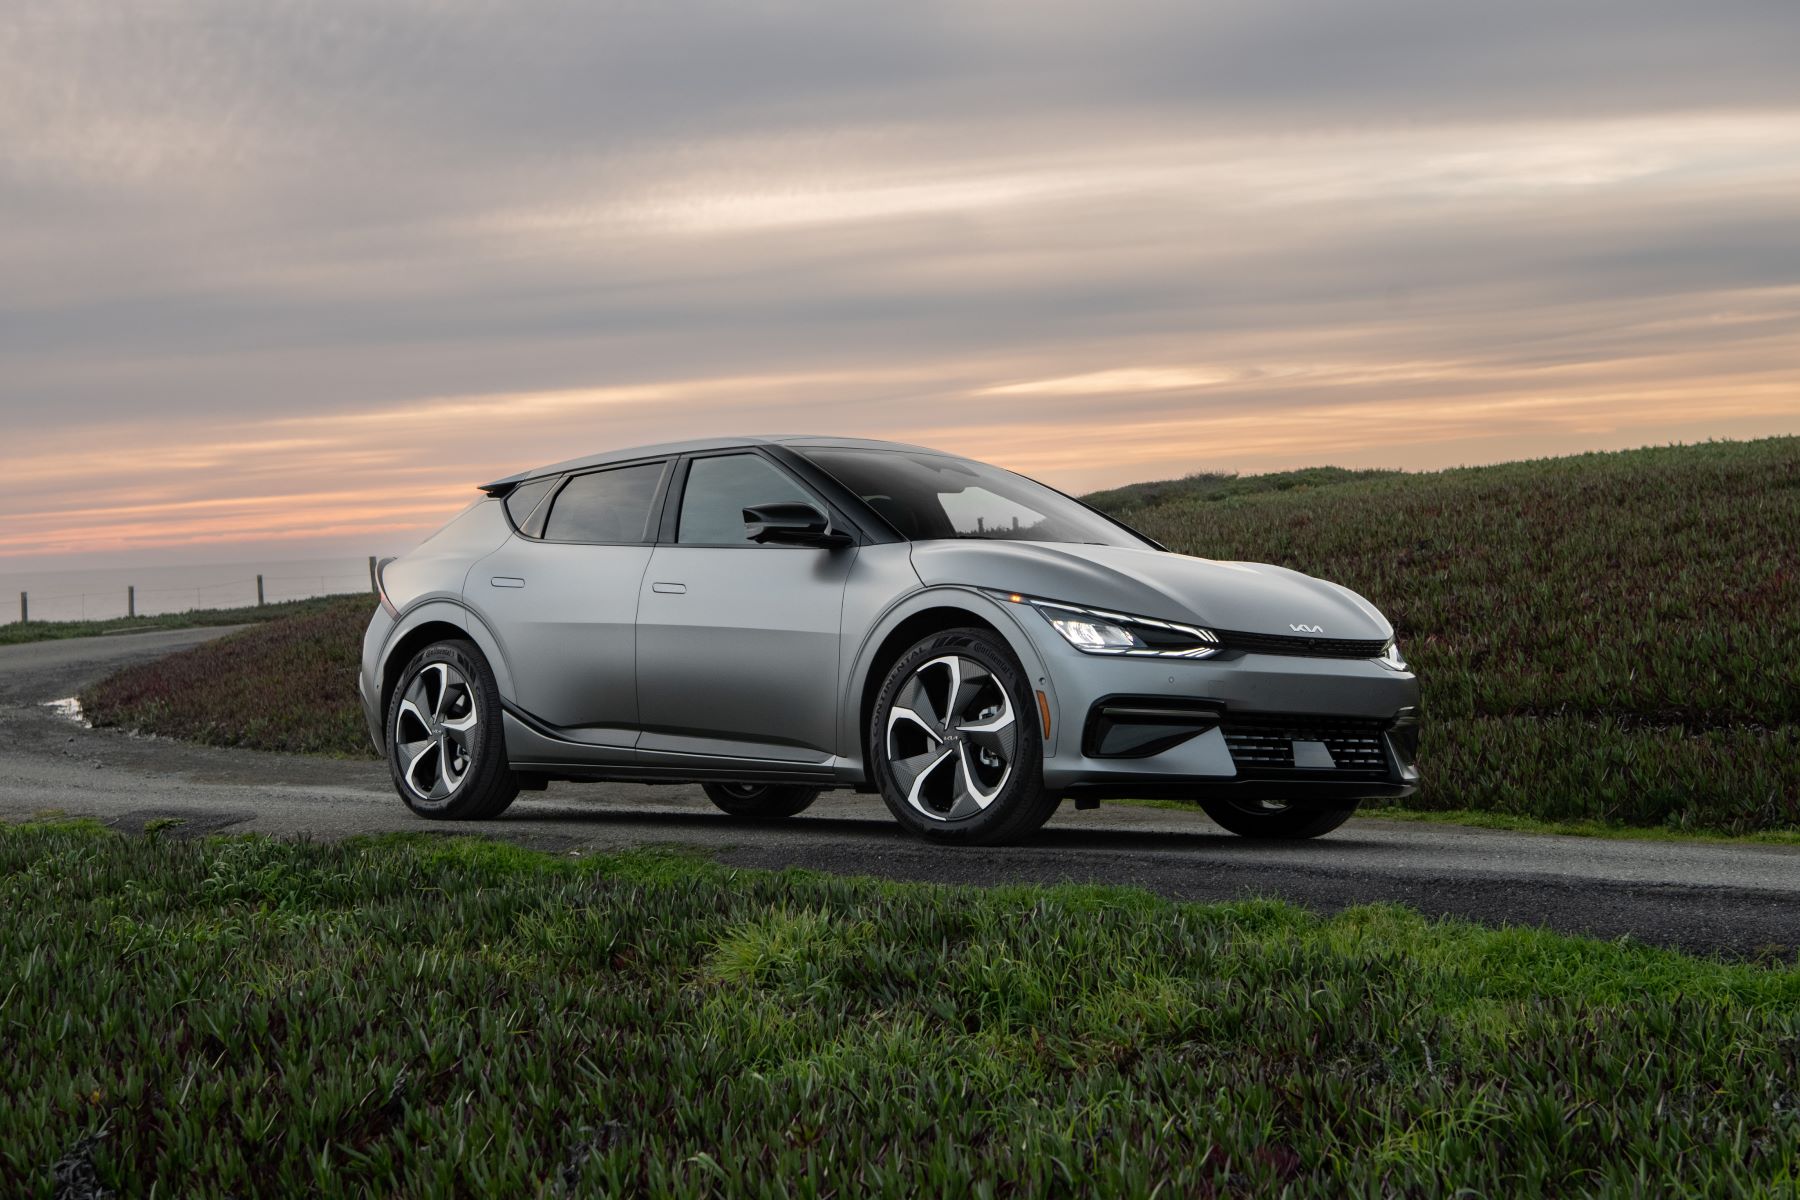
1606 637
289 684
421 1017
45 631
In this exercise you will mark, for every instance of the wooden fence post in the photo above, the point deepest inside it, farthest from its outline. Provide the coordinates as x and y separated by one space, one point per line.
259 592
374 584
131 601
24 609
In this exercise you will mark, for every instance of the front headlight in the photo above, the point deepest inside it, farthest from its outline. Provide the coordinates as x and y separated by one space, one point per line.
1391 658
1097 631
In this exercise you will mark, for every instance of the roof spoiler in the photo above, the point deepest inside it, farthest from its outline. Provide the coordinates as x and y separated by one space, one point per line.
500 488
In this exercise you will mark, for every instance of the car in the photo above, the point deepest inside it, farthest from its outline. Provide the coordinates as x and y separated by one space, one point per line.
775 617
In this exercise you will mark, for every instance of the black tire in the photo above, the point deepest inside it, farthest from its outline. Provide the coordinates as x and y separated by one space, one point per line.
1249 819
761 801
951 809
485 785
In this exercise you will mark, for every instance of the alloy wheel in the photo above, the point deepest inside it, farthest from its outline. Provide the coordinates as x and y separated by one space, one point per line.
434 731
951 738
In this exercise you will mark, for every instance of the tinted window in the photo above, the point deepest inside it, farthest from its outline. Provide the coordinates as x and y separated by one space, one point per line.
929 496
605 506
720 489
523 499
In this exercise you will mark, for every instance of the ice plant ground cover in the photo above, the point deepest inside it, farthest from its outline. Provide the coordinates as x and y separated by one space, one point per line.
288 684
427 1016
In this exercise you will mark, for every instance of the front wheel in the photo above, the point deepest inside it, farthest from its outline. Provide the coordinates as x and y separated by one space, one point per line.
761 801
1272 819
954 742
446 749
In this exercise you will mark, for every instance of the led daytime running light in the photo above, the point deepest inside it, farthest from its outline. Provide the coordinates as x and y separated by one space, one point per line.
1098 631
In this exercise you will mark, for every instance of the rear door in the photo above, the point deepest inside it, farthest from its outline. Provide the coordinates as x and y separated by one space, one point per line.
738 643
561 597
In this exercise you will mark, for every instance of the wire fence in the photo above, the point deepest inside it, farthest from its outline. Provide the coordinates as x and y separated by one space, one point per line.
133 601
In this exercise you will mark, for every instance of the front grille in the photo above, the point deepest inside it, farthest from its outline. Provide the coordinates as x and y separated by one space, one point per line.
1266 743
1301 647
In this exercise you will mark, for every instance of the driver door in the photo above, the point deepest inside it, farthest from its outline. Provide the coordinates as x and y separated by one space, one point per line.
738 643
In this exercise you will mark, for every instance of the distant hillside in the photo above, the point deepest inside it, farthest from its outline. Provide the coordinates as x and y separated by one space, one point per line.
1614 636
1213 486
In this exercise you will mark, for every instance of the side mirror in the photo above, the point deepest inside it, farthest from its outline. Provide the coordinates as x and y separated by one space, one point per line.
790 523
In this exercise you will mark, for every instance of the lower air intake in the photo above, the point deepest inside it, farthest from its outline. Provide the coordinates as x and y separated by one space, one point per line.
1342 745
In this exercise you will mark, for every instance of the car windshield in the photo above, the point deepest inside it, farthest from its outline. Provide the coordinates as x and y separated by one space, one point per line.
931 496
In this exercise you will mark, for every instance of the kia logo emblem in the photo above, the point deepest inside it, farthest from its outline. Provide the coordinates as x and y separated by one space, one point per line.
1307 628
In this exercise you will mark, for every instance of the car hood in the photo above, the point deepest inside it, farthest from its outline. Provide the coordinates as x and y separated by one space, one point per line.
1238 596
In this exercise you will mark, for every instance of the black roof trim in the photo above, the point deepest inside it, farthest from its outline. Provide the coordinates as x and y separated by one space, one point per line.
693 446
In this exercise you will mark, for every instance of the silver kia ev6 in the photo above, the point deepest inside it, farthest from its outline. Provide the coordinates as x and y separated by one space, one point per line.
775 617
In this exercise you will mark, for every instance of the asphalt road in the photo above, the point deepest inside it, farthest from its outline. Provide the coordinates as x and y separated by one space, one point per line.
1711 898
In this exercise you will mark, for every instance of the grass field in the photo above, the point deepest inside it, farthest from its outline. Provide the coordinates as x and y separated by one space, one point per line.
44 631
428 1017
1610 637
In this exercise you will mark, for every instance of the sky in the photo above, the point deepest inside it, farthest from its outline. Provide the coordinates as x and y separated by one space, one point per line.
288 279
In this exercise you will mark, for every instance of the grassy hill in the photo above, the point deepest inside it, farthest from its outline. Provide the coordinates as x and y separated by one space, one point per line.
1611 637
1125 502
1606 636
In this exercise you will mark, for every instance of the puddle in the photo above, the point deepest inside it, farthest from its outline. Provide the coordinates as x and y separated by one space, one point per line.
70 707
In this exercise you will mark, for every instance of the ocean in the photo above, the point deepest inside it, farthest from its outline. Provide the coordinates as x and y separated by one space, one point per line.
97 594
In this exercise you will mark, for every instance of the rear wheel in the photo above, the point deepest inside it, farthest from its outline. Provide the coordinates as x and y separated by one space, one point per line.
954 742
1273 819
761 801
446 749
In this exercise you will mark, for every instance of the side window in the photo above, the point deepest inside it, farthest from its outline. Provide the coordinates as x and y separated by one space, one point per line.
720 489
523 500
604 506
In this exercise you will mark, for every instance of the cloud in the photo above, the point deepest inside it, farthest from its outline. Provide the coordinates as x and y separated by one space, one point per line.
1114 382
359 258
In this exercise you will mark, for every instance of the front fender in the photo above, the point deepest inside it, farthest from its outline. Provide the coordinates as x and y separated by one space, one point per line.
874 655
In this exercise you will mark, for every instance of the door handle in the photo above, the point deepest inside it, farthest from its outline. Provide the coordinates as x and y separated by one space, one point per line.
670 589
506 581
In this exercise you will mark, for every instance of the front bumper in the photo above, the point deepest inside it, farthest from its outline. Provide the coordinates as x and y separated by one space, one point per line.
1239 725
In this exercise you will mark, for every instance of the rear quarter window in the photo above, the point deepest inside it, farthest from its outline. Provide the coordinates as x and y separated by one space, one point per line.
523 500
605 506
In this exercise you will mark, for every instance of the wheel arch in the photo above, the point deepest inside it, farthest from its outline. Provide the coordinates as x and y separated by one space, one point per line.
428 623
919 616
